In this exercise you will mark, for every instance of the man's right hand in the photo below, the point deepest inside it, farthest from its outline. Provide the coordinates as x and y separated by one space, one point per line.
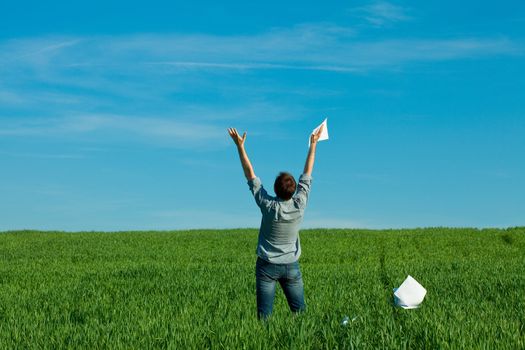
315 137
239 141
310 158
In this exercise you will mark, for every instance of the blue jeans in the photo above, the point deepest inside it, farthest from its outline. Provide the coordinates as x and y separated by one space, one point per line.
290 279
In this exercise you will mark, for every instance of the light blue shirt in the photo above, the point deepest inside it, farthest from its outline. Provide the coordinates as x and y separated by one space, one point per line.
279 241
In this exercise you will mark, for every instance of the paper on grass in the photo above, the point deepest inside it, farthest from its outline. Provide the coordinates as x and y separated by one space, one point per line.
324 133
410 294
401 303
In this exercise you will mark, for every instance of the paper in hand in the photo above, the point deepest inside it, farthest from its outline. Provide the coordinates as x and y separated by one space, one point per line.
324 133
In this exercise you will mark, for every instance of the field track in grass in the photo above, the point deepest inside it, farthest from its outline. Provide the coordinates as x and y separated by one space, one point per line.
196 289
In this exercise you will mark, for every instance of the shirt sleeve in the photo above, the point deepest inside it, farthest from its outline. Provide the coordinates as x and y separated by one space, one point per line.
262 198
303 190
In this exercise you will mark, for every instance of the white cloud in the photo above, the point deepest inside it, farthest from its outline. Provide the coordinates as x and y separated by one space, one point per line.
331 52
183 126
251 66
321 47
10 98
380 13
68 81
42 155
167 131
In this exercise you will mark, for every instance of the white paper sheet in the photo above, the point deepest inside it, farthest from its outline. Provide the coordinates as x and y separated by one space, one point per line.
324 133
410 294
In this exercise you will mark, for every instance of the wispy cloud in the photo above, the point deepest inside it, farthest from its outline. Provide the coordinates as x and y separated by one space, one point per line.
154 130
184 126
10 97
145 85
42 155
80 73
50 48
307 47
150 68
329 52
251 66
17 98
381 13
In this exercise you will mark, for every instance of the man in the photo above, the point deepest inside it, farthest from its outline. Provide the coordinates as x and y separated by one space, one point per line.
279 247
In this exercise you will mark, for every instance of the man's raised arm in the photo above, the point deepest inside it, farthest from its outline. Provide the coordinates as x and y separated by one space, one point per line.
239 142
310 158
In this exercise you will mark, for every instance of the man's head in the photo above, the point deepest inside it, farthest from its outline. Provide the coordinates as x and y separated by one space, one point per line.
284 186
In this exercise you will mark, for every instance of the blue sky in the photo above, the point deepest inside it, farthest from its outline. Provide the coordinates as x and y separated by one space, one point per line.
114 116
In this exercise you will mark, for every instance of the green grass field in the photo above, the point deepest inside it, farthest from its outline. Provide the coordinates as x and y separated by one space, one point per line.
196 289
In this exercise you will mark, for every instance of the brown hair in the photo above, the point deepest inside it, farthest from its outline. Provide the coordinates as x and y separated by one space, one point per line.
284 186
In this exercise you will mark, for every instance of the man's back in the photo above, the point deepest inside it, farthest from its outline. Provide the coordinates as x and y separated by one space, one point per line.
279 241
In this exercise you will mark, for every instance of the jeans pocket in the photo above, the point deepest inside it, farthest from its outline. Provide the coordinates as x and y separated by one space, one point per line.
294 271
263 269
